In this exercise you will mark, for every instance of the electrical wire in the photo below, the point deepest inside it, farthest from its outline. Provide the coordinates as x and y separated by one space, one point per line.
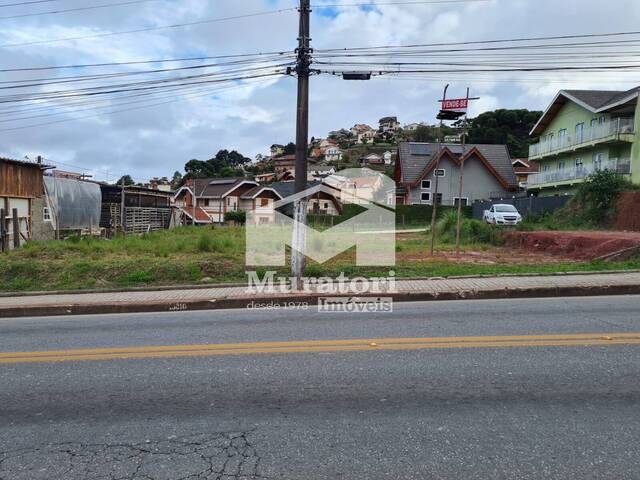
408 2
149 29
99 114
141 62
31 2
77 9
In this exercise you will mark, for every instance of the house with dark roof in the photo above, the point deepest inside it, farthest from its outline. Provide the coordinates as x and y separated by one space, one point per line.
523 168
583 131
322 201
214 197
488 173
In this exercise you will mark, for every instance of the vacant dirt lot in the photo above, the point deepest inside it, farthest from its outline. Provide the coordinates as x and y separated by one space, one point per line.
584 246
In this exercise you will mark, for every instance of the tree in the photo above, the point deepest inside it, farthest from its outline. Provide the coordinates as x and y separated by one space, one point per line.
197 169
509 127
425 133
289 149
225 164
127 180
176 180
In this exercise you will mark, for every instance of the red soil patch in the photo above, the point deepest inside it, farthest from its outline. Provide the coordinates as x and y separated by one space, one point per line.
627 212
583 246
493 256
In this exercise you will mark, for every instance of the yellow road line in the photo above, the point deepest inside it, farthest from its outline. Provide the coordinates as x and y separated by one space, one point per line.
172 351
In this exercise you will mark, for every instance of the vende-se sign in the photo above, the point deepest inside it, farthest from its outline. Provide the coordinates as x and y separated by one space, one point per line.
455 105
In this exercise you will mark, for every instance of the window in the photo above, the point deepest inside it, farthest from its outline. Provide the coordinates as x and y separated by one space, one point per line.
506 209
206 202
545 167
456 200
46 214
440 172
597 161
439 198
562 137
594 128
264 202
579 132
579 163
426 185
560 164
425 197
326 205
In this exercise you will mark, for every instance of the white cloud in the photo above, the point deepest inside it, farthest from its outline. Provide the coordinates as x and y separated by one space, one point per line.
160 139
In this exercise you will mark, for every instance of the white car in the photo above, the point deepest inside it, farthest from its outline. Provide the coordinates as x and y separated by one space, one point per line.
502 214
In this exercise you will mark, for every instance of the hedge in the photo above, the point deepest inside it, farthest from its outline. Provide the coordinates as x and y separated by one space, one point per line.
405 214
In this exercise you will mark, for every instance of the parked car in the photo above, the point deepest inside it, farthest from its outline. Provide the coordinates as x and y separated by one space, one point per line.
502 214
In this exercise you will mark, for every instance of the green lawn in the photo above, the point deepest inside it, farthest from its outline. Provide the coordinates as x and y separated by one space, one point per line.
190 255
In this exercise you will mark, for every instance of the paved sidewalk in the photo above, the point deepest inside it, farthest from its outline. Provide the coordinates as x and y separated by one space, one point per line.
238 297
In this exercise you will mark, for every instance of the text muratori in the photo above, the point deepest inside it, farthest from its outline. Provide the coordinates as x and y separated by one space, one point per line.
269 283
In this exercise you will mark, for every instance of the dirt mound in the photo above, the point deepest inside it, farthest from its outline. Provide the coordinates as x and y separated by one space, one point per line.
576 245
627 212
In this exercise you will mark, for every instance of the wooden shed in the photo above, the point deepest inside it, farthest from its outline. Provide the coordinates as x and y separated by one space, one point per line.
145 209
23 212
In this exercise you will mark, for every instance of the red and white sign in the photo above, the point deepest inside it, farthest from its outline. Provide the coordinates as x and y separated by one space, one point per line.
455 105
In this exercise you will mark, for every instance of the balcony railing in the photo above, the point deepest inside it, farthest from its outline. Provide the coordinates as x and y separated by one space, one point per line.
589 135
621 166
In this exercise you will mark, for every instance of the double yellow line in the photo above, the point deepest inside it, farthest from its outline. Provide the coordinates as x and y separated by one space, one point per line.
210 350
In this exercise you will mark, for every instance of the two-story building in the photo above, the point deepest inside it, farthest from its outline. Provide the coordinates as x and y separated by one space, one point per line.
388 124
214 197
333 153
363 133
488 173
583 131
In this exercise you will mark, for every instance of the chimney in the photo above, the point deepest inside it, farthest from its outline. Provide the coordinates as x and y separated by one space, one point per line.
39 159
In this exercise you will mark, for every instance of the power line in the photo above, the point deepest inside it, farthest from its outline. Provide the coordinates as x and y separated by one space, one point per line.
408 2
99 114
472 42
84 78
77 9
116 88
149 29
25 3
196 92
140 62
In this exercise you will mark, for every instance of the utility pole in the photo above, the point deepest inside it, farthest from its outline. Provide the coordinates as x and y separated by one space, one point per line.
194 201
434 199
462 154
302 134
122 198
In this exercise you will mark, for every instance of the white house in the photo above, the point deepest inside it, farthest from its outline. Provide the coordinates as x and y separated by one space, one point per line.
333 153
363 133
318 172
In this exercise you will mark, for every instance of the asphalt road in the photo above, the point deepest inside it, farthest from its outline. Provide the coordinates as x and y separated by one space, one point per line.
523 412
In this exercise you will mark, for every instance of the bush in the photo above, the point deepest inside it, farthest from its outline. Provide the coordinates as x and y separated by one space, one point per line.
421 214
471 231
595 200
237 217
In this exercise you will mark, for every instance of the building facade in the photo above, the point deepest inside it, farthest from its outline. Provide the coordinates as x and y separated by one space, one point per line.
22 190
583 131
488 173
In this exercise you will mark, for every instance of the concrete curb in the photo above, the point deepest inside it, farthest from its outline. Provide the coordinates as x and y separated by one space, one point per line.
281 301
205 286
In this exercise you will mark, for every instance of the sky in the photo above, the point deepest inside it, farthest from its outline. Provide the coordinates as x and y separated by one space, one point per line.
157 140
